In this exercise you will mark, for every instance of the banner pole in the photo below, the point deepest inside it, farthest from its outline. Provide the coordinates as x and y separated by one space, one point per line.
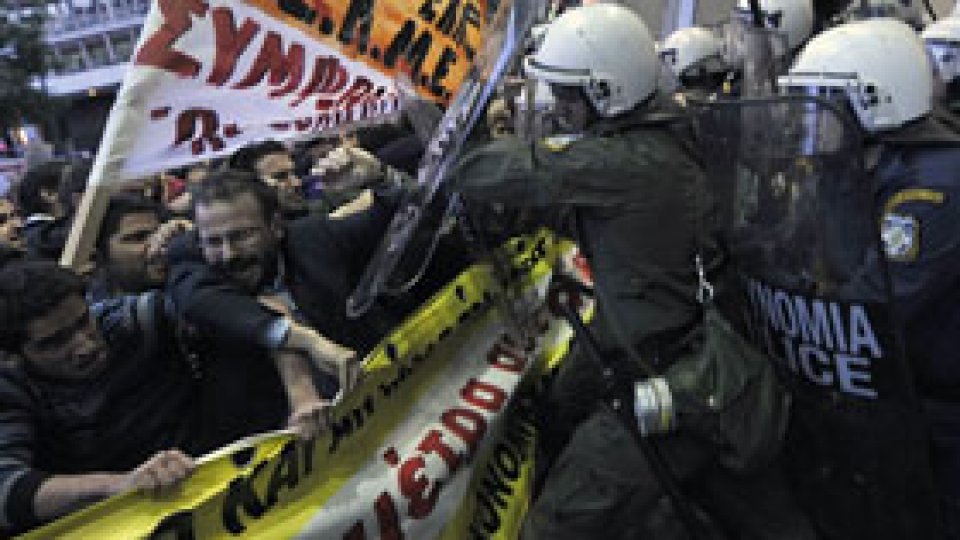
86 226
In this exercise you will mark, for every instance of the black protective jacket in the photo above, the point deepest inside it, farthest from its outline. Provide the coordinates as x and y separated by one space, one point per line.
142 403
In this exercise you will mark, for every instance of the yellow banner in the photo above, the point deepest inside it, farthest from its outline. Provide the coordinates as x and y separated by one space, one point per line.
437 442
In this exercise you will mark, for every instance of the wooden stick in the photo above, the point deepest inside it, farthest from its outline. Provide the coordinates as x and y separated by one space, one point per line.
86 227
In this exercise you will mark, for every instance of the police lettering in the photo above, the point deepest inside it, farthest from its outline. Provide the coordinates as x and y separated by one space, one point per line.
830 344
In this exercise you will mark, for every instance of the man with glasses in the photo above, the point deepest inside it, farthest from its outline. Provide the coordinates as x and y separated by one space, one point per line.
242 251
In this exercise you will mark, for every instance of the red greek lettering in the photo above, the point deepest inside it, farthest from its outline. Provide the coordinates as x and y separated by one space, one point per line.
417 487
186 127
433 444
231 42
157 51
483 395
468 425
281 67
506 358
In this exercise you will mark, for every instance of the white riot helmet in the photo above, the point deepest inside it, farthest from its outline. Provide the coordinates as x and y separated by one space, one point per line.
908 11
691 49
792 18
877 66
942 39
604 49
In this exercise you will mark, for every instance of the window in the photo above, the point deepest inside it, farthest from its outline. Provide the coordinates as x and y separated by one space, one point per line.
122 45
71 59
97 51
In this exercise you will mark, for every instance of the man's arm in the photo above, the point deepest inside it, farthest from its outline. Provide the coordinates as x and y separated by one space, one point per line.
29 496
60 495
296 344
204 299
592 171
308 410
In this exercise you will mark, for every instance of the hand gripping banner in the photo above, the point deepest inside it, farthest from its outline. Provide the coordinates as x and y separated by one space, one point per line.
436 442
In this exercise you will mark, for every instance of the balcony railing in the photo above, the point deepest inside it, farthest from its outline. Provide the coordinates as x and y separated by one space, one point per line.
99 16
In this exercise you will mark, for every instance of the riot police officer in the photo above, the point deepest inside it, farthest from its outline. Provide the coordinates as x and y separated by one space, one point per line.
621 168
694 56
942 39
878 70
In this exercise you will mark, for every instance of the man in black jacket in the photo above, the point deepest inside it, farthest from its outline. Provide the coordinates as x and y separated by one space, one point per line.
242 250
94 406
242 257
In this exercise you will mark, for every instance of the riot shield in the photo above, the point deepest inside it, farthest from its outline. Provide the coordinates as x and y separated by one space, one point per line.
415 227
796 211
757 53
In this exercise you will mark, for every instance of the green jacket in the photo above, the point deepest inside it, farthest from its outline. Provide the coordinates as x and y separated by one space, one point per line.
637 197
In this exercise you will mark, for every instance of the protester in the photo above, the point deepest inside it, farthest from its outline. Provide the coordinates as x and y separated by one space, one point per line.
11 225
123 264
242 251
273 165
96 405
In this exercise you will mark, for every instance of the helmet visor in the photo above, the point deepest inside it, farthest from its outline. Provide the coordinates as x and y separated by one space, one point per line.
845 89
817 129
945 56
555 74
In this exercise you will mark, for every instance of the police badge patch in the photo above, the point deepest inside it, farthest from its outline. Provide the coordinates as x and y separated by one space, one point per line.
901 237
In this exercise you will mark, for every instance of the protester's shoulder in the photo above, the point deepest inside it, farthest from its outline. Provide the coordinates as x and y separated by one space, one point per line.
184 248
308 231
16 389
128 320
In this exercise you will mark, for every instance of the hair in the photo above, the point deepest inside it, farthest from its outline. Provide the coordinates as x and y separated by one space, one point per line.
373 138
73 180
229 184
45 176
121 206
246 158
30 289
180 172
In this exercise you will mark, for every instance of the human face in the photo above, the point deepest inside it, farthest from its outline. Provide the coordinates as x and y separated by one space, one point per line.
197 174
127 253
572 109
277 171
11 225
65 343
238 240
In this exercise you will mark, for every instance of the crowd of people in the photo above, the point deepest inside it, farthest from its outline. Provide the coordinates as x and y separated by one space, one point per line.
213 306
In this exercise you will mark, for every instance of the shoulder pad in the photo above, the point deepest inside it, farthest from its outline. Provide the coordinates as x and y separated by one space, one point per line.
939 130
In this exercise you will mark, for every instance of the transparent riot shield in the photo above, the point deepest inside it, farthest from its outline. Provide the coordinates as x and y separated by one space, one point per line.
414 229
757 53
796 210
